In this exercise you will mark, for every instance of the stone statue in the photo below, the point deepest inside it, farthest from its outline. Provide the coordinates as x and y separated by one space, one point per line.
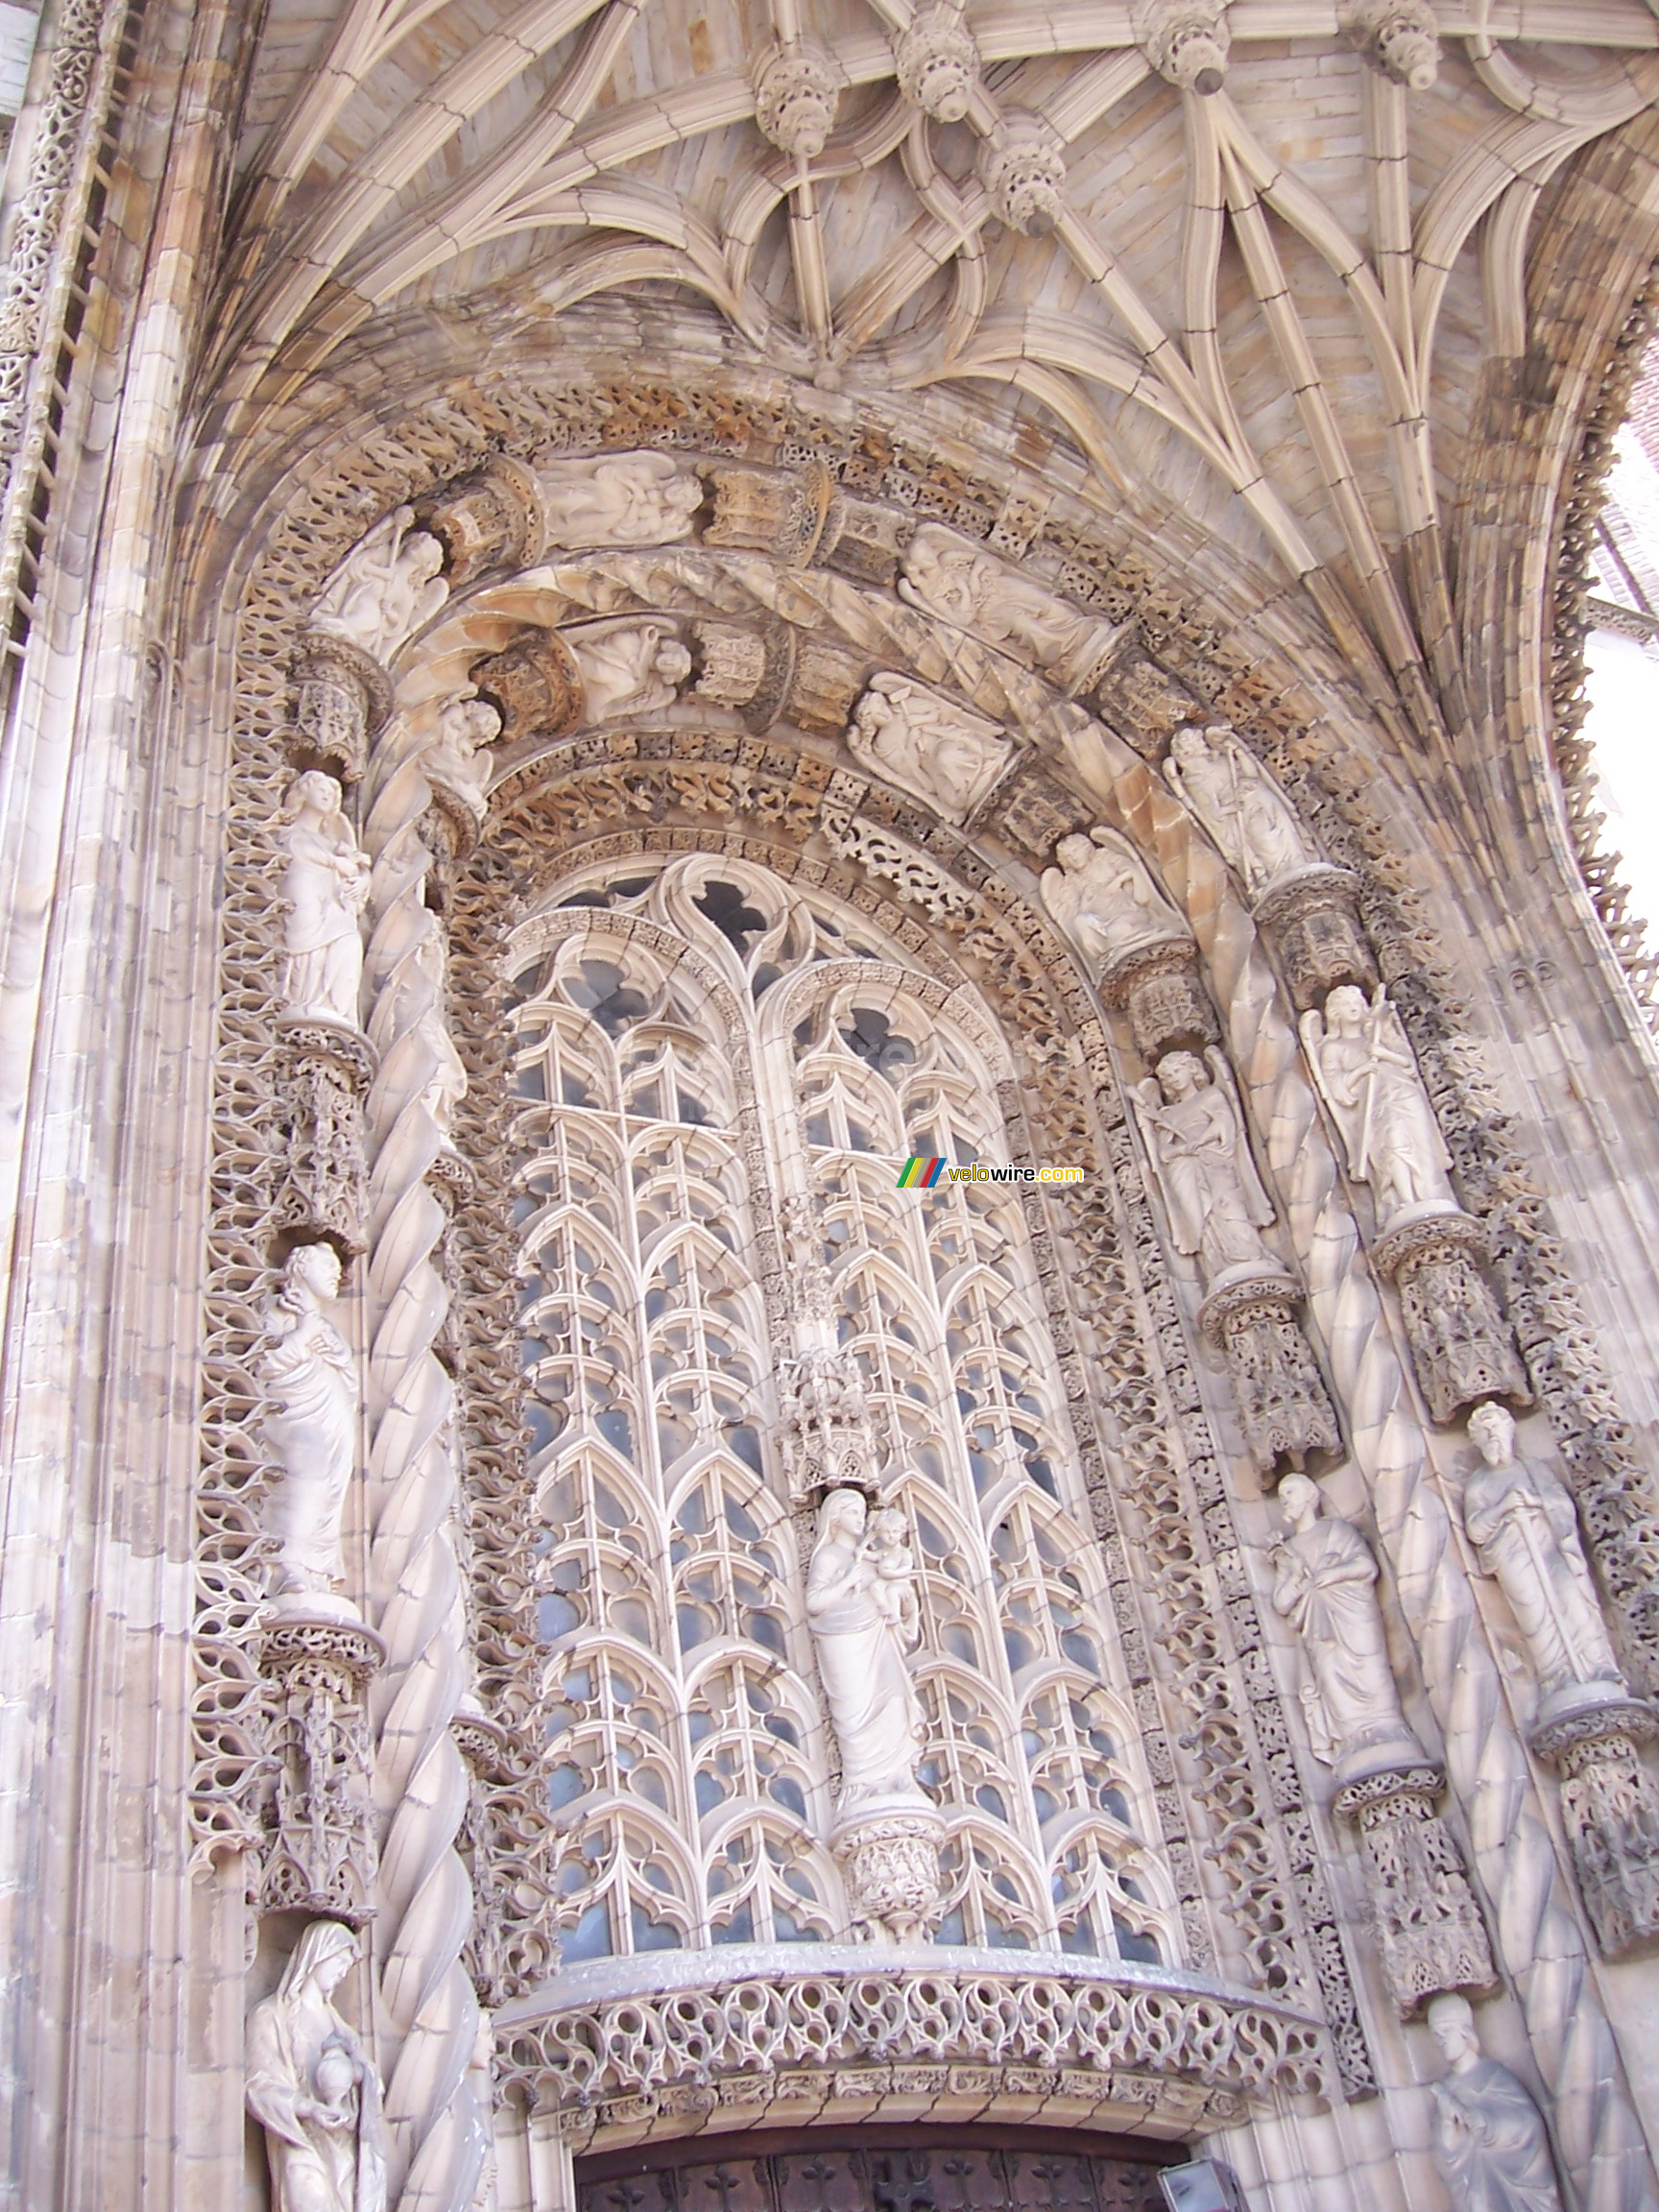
324 888
1104 900
388 586
1525 1528
637 669
311 1378
619 499
312 2087
964 586
928 746
1489 2136
1239 805
1201 1158
458 757
1367 1077
1325 1585
862 1628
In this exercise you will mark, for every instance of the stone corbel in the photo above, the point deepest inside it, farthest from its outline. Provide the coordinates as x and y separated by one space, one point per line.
319 1853
1159 987
1429 1926
1283 1404
1462 1348
1610 1810
342 698
889 1861
323 1074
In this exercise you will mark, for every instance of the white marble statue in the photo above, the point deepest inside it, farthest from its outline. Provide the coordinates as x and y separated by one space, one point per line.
927 745
634 669
1525 1531
1367 1077
619 499
1104 900
1211 1193
312 2086
1325 1585
325 889
458 757
310 1377
1489 2138
388 586
951 577
861 1628
1239 805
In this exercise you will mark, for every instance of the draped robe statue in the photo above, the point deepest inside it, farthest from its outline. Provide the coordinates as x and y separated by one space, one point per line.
1211 1189
312 2087
308 1370
859 1622
1239 805
951 577
1489 2138
1326 1587
1103 898
1367 1074
930 747
325 889
632 669
388 586
1525 1528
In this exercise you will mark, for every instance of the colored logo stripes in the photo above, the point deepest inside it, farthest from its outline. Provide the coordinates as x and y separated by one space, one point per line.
919 1174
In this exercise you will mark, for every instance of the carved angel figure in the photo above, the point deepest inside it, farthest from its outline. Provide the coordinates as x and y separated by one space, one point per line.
859 1639
1239 805
620 500
1525 1530
637 669
324 888
307 1369
457 756
1201 1158
313 2088
928 746
1103 898
1367 1077
1489 2139
388 586
1325 1585
951 577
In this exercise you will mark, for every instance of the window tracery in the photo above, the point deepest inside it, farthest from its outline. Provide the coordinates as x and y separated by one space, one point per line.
700 1053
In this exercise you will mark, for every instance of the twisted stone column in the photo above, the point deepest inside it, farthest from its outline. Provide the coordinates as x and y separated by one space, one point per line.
428 2013
1539 1939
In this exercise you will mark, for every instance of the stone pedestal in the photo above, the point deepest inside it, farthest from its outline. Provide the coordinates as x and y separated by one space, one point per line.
507 1843
493 520
326 1069
342 697
1168 1005
318 1852
1428 1927
772 510
887 1849
533 683
1312 919
1462 1348
1283 1404
1142 702
747 667
1610 1810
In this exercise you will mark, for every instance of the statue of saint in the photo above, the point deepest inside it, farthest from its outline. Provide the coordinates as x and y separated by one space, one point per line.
634 669
311 2086
1367 1077
862 1614
1325 1585
1489 2137
619 499
458 757
1201 1159
1525 1530
308 1371
389 585
950 576
324 888
1104 900
1239 805
928 746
